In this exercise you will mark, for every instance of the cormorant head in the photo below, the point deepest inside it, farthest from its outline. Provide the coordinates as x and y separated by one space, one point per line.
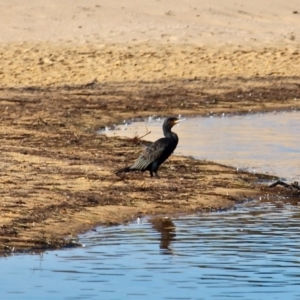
170 122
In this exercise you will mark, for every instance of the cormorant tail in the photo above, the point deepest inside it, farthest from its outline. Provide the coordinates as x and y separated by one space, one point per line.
125 170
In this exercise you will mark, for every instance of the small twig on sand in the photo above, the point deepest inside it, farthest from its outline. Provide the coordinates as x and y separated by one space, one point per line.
137 139
293 185
44 122
144 135
39 121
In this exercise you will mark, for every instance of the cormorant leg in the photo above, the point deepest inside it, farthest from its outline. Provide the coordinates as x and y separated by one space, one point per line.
151 173
156 175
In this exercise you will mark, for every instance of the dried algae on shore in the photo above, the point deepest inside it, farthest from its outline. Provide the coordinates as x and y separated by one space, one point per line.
57 174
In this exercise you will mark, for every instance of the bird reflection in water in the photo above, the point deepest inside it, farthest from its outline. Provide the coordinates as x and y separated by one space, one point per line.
167 229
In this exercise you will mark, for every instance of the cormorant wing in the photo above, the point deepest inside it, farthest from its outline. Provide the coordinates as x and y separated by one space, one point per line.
151 154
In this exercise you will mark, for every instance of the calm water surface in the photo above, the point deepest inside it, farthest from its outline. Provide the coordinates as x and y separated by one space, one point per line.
249 253
252 252
267 143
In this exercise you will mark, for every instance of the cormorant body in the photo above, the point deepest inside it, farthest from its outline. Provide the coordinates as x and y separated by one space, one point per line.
154 155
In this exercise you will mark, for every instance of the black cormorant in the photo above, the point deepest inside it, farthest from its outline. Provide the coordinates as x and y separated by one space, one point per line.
156 153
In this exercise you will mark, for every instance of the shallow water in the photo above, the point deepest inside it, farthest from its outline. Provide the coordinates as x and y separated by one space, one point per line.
252 252
267 143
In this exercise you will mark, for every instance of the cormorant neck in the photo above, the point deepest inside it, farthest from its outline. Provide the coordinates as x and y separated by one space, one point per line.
170 134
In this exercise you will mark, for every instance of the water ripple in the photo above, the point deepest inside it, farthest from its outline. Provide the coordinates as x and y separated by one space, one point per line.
250 253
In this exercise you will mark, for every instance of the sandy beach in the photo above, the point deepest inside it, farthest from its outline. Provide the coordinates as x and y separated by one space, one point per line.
68 68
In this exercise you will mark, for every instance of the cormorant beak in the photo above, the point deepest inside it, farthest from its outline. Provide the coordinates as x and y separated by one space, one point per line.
177 121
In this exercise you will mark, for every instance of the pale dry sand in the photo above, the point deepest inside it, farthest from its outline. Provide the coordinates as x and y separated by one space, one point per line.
75 42
191 21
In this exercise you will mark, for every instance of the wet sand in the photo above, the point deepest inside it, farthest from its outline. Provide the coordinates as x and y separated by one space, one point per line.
60 83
